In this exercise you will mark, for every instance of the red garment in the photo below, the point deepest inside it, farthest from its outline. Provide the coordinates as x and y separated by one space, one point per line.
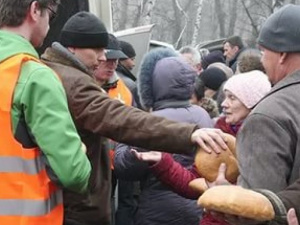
226 127
171 173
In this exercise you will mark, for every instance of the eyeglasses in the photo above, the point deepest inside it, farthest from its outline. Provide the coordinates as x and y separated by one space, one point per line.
52 14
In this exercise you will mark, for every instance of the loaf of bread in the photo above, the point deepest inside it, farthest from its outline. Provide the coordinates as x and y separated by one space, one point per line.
208 164
235 200
198 185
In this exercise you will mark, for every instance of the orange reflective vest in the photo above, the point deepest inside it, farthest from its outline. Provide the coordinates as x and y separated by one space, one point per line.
123 94
27 195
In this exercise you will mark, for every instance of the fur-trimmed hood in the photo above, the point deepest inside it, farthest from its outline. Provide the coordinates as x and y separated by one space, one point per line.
163 78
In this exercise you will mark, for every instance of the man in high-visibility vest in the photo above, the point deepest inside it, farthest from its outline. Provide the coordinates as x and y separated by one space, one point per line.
116 88
40 150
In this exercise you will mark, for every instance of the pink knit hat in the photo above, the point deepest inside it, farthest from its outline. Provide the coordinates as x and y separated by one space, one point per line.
249 87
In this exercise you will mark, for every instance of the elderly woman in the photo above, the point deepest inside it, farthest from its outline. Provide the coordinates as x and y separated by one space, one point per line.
242 93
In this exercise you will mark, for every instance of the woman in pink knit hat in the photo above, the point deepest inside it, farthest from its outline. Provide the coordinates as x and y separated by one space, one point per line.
242 93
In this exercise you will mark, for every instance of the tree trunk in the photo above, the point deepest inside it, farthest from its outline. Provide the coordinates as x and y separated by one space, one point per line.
138 14
221 17
233 16
124 14
197 24
148 6
177 24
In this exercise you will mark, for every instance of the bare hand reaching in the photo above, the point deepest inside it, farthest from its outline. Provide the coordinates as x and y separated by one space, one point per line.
151 156
231 219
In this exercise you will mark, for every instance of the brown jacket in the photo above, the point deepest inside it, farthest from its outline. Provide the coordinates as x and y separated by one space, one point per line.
97 115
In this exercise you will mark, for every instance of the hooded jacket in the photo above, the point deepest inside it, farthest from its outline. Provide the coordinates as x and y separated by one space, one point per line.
96 115
167 89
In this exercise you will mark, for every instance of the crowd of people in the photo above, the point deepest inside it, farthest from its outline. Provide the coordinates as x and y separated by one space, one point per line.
86 142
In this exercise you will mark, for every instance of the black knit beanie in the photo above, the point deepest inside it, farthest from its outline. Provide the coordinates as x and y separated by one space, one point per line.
84 30
127 49
213 78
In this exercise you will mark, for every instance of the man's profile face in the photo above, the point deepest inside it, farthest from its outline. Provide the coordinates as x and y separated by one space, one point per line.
271 63
41 18
106 70
90 57
128 63
229 51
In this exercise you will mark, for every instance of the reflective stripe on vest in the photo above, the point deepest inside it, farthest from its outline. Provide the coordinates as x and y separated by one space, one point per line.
27 195
19 165
14 207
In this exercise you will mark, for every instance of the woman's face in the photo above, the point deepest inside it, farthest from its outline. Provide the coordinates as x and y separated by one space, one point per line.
234 110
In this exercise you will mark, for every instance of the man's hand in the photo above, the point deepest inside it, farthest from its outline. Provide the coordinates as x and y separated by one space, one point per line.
209 138
151 156
292 217
231 219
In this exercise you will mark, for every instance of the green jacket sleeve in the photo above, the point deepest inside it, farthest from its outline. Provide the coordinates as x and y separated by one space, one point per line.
47 116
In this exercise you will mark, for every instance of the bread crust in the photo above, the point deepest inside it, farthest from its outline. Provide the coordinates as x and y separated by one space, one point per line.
208 164
235 200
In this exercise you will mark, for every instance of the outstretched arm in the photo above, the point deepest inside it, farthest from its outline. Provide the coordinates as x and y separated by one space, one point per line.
170 172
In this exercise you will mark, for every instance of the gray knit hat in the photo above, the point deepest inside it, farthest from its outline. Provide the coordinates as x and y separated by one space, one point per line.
280 32
84 30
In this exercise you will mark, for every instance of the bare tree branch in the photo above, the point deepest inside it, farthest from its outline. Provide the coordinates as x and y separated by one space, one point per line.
277 4
250 17
185 25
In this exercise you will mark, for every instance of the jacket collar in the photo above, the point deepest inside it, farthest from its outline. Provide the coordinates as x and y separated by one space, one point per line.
163 104
233 60
291 79
112 83
59 54
127 73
